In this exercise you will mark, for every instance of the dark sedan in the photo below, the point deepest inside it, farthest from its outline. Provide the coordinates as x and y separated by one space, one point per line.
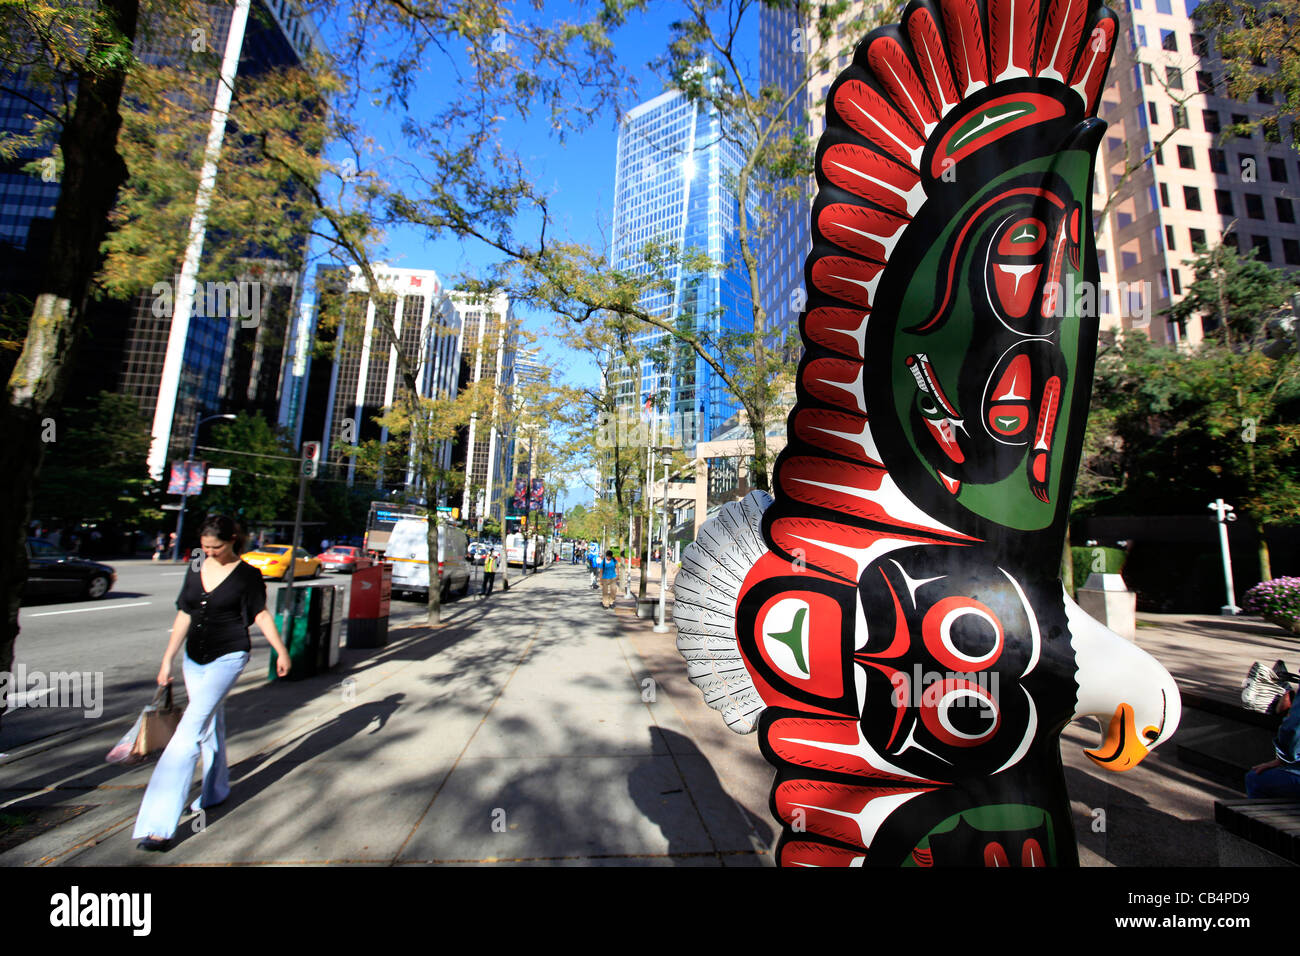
53 573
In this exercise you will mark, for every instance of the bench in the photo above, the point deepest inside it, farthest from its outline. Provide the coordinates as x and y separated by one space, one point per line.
1272 825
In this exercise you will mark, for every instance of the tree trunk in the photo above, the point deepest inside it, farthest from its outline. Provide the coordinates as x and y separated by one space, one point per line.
761 466
1265 564
434 615
92 173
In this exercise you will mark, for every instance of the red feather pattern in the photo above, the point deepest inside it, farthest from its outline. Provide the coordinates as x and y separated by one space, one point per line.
1090 74
927 44
874 118
1062 34
1013 31
961 20
894 71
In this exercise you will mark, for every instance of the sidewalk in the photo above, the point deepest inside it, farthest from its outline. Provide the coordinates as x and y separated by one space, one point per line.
536 728
533 727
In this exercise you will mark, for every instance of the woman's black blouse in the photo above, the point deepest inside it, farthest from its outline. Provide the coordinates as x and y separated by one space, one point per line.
220 618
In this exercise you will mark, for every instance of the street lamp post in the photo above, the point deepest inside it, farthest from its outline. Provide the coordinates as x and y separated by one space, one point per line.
1223 514
661 627
185 489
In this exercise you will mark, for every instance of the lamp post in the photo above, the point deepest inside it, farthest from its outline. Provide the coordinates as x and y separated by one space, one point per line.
661 628
185 491
1223 514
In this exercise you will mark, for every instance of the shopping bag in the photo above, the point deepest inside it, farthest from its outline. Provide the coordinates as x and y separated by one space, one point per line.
151 730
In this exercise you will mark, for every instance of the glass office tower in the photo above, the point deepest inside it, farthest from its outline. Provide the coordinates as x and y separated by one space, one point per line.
674 184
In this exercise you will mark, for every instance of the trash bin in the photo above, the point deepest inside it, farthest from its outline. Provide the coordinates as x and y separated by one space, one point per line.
372 589
303 639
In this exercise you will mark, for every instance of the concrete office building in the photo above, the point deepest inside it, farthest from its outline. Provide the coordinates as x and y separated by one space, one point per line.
356 374
488 344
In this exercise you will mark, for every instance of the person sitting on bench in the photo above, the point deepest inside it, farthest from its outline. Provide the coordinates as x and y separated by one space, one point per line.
1280 777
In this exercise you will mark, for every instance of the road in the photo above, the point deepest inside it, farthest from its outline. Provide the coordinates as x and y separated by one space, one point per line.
115 645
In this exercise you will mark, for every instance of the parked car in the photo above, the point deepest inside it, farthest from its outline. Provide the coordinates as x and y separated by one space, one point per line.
273 561
344 558
52 572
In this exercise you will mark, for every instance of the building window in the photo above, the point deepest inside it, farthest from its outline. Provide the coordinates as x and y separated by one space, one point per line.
1263 248
1147 73
1169 41
1160 156
1254 206
1271 132
1101 260
1169 238
1173 78
1211 120
1185 159
1197 236
1291 251
1285 210
1218 161
1200 45
1204 81
1177 280
1128 260
1264 96
1162 6
1164 195
1223 202
1142 36
1123 220
1180 116
1192 197
1277 169
1151 112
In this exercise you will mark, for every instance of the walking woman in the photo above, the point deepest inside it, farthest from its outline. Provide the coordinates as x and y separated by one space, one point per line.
217 603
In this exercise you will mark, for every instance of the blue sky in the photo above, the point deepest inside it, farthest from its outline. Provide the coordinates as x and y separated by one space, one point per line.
579 174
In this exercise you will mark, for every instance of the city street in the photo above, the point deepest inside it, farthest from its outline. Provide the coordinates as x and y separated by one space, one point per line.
532 727
121 638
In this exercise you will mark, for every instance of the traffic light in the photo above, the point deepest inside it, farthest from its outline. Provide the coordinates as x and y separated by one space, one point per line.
310 458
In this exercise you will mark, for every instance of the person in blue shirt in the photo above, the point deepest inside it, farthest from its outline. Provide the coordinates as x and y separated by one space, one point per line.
593 564
1280 777
608 580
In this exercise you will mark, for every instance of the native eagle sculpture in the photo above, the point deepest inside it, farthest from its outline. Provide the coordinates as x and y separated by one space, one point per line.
892 623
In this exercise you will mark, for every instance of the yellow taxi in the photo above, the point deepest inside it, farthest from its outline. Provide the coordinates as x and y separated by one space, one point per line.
273 561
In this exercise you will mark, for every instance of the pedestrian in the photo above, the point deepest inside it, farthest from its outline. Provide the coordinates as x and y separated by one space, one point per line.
158 543
593 566
608 580
489 572
217 603
1279 778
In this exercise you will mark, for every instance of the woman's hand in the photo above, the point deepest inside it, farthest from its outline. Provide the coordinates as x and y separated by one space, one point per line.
1268 765
282 663
165 672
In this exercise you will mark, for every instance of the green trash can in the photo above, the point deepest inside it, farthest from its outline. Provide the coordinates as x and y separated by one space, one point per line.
303 640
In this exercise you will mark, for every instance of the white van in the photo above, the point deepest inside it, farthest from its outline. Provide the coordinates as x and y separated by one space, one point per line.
515 550
408 553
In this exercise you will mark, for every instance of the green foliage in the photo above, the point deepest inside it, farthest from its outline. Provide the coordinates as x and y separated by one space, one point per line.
1236 294
96 470
1170 431
1096 560
262 489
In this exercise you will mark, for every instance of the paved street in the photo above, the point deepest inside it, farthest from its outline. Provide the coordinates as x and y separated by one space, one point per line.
528 729
120 638
535 727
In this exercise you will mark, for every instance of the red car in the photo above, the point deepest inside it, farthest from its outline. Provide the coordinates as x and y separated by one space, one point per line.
344 558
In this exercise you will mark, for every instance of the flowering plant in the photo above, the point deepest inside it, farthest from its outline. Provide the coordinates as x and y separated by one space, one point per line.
1277 601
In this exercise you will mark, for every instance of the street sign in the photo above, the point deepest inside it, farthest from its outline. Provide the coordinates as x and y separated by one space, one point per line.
218 476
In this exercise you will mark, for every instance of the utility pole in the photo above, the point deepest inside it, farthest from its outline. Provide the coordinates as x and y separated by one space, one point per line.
1223 514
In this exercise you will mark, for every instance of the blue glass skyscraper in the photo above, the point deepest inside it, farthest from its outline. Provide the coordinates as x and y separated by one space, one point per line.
675 185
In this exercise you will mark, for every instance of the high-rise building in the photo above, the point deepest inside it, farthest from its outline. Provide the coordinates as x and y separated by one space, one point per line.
1167 94
487 342
355 372
673 184
213 355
